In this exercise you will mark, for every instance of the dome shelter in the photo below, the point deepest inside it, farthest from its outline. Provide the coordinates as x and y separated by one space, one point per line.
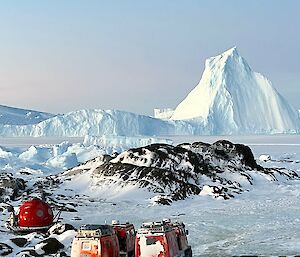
33 214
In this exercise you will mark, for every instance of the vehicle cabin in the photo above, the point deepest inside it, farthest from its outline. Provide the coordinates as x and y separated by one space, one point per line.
162 239
95 241
126 236
181 235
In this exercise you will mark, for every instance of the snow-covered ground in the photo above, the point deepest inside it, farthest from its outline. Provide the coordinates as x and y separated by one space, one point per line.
263 221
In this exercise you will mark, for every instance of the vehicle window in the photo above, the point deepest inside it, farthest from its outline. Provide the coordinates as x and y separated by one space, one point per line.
150 241
86 246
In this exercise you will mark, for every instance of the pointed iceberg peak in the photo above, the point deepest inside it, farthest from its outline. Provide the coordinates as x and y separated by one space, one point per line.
231 98
221 59
232 52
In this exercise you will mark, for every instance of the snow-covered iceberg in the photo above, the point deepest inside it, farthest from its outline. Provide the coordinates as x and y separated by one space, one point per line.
232 99
17 116
100 122
229 99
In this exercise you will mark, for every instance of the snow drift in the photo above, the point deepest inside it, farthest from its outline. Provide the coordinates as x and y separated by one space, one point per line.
232 99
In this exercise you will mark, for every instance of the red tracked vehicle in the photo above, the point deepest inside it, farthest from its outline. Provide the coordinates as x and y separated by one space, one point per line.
116 240
126 236
162 239
154 239
33 215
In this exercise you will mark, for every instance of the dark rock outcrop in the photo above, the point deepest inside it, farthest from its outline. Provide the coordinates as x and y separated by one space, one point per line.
60 228
5 249
177 172
10 187
19 241
51 246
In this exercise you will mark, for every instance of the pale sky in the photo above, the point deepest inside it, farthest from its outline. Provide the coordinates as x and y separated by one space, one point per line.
64 55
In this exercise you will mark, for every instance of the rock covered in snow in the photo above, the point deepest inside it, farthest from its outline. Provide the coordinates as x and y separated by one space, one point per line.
5 249
222 152
54 243
10 187
222 169
232 99
19 241
161 168
60 228
48 246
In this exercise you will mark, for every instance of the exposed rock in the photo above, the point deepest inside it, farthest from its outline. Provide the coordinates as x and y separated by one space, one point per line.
5 249
178 172
161 199
61 254
19 241
160 168
28 253
10 187
49 246
60 228
226 151
78 169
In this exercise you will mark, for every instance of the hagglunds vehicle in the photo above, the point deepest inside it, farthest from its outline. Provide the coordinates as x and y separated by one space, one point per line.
153 239
162 239
116 240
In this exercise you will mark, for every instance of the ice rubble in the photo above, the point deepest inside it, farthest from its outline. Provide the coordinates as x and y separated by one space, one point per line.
45 159
119 143
38 159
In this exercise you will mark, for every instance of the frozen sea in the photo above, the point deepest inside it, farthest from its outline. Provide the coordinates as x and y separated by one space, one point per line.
264 221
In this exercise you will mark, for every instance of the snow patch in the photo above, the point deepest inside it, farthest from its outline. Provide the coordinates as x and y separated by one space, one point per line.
264 157
150 249
164 114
